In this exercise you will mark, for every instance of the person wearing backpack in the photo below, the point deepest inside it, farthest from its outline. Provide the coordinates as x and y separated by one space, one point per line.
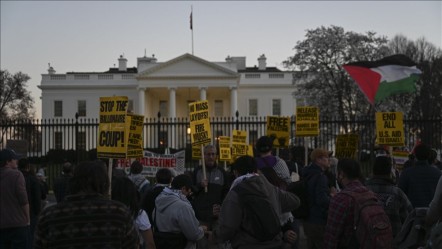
318 197
250 213
356 218
163 178
396 204
137 178
264 146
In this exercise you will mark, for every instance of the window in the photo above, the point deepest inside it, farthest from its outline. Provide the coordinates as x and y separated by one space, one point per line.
58 108
219 108
163 108
253 107
58 140
82 108
276 107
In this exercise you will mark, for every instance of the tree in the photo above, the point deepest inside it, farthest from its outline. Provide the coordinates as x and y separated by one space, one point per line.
15 101
318 64
427 100
16 106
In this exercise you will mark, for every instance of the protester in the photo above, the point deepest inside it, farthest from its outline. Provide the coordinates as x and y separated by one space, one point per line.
207 204
319 194
236 223
289 227
124 191
14 205
419 182
103 223
44 189
163 178
341 227
395 202
264 146
137 178
433 219
61 183
173 213
34 194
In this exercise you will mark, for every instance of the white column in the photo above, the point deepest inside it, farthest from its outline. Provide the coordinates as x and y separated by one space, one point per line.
203 94
172 102
233 101
141 101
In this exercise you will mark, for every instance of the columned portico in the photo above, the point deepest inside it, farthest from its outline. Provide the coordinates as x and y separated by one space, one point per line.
172 102
233 100
141 100
203 93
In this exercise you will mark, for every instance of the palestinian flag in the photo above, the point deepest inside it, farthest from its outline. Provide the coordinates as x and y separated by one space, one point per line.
380 79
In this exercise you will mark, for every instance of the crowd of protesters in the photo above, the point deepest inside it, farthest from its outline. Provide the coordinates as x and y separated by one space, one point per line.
210 206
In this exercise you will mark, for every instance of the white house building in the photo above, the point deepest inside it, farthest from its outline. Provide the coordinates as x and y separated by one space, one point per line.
167 87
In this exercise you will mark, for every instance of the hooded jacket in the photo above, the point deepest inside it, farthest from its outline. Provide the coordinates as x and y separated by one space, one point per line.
173 213
318 194
232 222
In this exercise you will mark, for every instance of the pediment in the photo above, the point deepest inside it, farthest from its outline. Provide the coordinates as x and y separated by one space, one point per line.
186 66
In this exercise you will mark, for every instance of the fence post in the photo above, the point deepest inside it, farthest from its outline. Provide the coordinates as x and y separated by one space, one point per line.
77 154
237 119
159 130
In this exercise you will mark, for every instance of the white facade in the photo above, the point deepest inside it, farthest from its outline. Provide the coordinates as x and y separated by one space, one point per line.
169 86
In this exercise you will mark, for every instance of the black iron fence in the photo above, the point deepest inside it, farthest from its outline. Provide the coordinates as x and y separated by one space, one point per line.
55 140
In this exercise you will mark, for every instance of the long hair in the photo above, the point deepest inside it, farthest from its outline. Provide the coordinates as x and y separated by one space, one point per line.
124 191
90 177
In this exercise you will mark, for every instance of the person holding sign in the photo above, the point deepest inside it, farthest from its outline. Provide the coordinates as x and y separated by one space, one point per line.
264 146
207 204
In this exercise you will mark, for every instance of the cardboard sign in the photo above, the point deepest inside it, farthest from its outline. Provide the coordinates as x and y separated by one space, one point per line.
239 143
111 141
390 128
152 162
307 121
135 138
196 152
239 137
279 129
225 153
400 157
200 133
347 146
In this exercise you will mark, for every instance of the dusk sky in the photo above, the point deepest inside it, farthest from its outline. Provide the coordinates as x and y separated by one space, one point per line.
86 36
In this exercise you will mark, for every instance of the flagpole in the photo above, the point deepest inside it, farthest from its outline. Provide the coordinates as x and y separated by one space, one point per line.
191 23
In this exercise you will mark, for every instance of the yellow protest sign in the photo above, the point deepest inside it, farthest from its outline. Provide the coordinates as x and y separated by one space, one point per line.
196 152
279 129
239 137
250 150
239 143
135 138
240 149
224 148
111 140
200 133
390 128
307 121
347 146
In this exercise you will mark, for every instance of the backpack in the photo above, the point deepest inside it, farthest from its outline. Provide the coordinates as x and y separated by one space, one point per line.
167 240
264 222
300 189
412 233
372 227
